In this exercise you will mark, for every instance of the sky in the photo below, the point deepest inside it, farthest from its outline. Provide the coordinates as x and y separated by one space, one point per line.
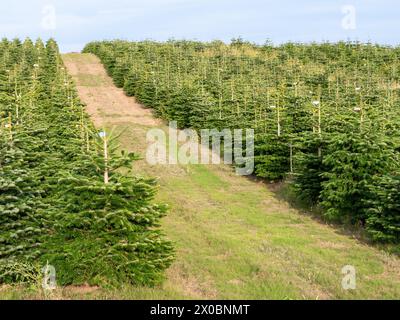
73 23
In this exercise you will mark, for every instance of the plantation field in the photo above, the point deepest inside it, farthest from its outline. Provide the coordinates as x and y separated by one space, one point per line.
75 193
325 115
234 237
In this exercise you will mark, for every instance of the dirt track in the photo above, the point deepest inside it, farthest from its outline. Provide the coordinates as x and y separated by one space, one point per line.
105 102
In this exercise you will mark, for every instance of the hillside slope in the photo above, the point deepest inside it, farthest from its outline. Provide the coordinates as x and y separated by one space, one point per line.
234 238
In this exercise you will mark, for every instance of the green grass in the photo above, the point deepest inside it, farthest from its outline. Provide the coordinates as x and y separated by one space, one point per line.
236 239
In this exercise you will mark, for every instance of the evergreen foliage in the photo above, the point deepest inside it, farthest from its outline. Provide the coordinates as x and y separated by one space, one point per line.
63 198
325 114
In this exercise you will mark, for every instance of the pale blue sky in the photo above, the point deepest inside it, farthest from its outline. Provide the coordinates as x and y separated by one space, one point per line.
80 21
